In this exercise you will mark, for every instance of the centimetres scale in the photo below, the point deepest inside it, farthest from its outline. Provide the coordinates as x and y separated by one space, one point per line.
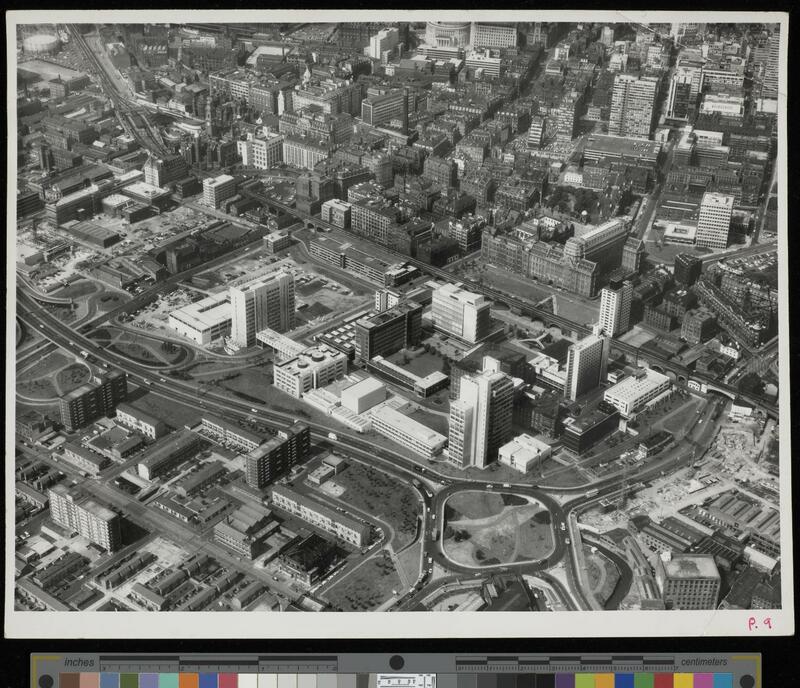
652 670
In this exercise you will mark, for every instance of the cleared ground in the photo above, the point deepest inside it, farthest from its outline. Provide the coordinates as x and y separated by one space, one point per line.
380 494
367 587
602 573
496 528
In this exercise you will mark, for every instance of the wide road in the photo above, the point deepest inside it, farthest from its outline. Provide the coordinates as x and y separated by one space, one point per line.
525 306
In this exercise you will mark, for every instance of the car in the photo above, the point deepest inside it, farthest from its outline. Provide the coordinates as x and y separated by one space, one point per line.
489 486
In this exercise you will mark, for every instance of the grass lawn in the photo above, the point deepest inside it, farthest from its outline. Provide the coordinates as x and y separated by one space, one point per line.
602 573
563 476
254 383
473 504
369 586
45 367
37 389
380 494
72 377
503 529
408 560
77 289
173 413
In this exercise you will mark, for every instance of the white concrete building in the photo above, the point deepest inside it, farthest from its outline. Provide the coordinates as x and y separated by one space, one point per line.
266 302
615 308
218 189
315 367
633 393
714 222
363 395
524 452
204 321
407 432
587 361
461 313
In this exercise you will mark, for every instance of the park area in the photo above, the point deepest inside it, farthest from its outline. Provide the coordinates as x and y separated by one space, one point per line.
53 376
495 528
140 348
381 495
367 586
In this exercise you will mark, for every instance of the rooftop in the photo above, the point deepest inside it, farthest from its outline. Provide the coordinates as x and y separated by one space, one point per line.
691 566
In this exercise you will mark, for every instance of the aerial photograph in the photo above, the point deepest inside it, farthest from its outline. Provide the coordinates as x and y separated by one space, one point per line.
396 316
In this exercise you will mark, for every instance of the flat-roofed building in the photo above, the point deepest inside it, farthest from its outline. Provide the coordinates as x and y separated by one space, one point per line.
714 221
204 321
276 456
142 422
309 509
688 581
524 452
363 395
266 302
218 189
315 367
384 333
97 398
263 152
168 453
226 432
461 313
87 517
85 459
634 392
407 432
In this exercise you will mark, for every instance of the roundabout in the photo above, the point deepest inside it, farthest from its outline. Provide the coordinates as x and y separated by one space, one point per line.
488 529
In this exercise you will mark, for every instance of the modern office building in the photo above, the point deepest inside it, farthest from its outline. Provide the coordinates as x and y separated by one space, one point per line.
615 307
688 581
523 453
90 401
204 321
407 432
384 333
218 189
363 395
336 212
688 269
481 418
383 41
381 108
461 313
587 361
142 422
319 515
267 302
273 458
634 392
714 221
161 172
89 519
315 367
632 103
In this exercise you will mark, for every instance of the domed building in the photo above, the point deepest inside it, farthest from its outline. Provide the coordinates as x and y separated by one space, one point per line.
447 34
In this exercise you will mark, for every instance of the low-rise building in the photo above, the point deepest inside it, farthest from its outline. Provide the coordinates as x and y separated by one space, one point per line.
309 509
168 453
407 432
524 452
633 393
142 422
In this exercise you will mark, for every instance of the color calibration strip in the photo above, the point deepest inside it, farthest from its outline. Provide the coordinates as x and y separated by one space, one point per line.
238 680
